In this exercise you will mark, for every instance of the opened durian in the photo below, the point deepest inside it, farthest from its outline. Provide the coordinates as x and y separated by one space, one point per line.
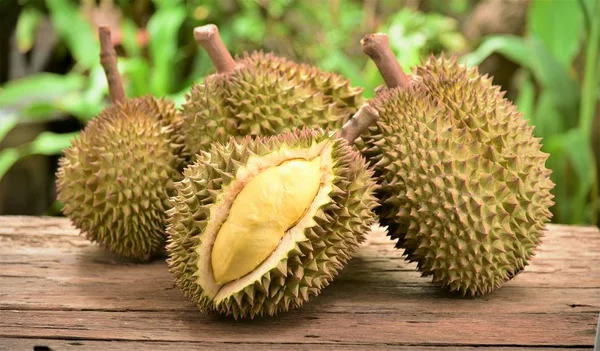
464 187
260 225
261 94
115 179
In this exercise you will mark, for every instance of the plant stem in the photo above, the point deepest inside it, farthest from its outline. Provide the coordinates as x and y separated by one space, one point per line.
108 60
589 97
208 37
377 47
359 123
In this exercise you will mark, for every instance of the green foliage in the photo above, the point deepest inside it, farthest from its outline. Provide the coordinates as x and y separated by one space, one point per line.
554 95
321 32
562 109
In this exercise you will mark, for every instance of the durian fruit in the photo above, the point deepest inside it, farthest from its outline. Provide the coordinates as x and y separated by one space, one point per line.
260 225
261 94
464 187
115 179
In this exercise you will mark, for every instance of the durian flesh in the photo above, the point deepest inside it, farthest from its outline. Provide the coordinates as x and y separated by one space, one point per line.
268 205
259 226
464 188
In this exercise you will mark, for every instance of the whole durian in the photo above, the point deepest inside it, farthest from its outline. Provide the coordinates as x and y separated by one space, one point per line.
115 179
261 94
464 187
260 225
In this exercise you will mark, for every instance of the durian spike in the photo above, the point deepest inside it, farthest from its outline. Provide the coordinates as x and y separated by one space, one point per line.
377 47
208 37
108 60
359 123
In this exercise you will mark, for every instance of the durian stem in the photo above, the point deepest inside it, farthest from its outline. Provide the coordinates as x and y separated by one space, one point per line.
208 37
359 123
377 47
108 60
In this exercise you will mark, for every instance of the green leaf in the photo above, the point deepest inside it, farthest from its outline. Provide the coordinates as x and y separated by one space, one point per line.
8 123
42 86
46 143
526 99
38 96
8 157
532 54
339 62
561 40
129 38
75 31
548 120
512 47
552 75
137 72
26 27
582 160
163 28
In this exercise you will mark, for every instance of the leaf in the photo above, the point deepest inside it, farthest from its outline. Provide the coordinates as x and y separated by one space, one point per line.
75 32
26 28
137 73
563 40
552 75
46 143
532 54
339 62
129 38
179 97
557 162
163 28
548 120
38 96
8 157
512 47
582 160
42 86
7 123
526 99
49 143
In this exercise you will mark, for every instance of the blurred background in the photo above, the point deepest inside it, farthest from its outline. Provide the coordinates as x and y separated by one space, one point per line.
544 54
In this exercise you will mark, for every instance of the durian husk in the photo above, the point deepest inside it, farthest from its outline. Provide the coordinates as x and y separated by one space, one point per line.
338 226
464 187
265 95
116 177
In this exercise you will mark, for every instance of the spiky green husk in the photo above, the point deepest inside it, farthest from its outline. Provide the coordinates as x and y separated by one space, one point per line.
265 95
464 187
342 224
115 179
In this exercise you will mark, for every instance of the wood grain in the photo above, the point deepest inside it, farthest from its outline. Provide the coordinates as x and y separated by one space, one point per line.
60 291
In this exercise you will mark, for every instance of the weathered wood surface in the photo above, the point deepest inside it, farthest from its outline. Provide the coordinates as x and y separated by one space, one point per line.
60 291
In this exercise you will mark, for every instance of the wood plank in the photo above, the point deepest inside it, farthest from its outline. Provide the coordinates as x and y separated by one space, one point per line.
55 285
81 344
409 328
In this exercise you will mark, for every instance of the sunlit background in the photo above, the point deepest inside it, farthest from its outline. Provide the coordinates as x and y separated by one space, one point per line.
544 54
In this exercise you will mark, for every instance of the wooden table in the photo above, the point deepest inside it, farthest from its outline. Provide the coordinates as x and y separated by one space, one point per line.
59 291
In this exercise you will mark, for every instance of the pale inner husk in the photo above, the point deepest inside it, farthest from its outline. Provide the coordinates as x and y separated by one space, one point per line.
220 211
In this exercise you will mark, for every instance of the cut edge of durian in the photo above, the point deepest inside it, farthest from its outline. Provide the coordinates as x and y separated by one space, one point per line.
219 213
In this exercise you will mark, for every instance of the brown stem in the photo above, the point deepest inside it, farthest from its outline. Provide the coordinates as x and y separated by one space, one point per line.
208 37
377 47
108 60
359 123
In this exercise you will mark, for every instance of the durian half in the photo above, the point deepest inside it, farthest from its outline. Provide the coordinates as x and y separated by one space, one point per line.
259 226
